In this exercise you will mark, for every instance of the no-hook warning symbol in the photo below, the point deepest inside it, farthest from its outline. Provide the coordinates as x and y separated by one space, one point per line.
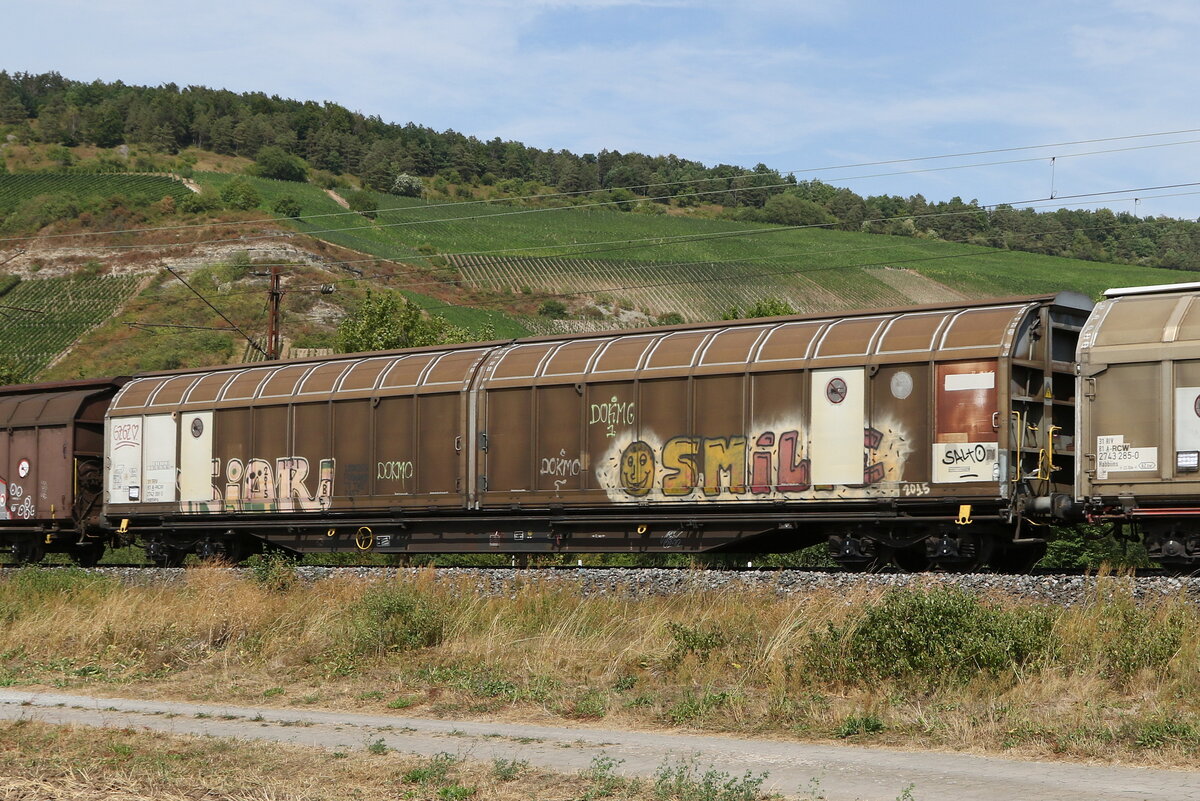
835 390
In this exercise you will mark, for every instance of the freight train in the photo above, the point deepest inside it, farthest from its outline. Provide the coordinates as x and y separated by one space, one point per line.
940 437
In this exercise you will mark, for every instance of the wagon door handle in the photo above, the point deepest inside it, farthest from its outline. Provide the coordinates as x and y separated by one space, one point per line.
458 444
995 421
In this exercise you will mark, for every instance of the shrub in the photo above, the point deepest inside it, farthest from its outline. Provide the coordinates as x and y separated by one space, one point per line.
364 203
930 637
590 703
394 618
239 194
683 781
274 571
859 724
205 200
287 205
554 309
407 185
506 770
275 162
692 640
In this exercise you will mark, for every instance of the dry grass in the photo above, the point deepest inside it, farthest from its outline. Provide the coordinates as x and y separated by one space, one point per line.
65 763
1110 680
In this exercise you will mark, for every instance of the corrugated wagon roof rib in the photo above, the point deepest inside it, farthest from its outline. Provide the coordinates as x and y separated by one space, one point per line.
692 361
751 346
301 373
816 326
885 333
1014 312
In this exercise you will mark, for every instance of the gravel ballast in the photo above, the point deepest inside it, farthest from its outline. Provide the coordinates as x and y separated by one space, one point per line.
1065 590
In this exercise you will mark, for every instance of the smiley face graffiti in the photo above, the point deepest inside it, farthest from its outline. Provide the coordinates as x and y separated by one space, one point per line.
637 468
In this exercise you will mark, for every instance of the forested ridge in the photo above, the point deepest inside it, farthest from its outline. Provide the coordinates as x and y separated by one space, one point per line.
326 137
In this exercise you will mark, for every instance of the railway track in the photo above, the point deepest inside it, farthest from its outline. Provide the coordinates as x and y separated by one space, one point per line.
1062 588
1141 572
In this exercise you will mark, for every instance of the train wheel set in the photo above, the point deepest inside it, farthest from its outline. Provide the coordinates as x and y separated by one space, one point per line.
943 437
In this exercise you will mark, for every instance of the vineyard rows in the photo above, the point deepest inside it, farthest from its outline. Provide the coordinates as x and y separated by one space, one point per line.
697 291
15 189
814 270
43 317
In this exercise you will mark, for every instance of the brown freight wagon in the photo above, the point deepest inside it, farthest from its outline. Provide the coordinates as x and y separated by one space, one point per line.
924 434
51 453
1140 417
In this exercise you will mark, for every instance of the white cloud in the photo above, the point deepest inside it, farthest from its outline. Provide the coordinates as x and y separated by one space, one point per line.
1114 46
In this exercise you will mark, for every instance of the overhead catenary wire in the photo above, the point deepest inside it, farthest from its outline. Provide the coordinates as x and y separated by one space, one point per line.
617 245
522 251
626 244
724 190
220 314
677 281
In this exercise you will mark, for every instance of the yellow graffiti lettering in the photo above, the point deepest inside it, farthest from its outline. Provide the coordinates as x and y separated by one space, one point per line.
724 457
679 461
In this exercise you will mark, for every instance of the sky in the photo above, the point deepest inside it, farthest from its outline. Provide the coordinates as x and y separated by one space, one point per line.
800 86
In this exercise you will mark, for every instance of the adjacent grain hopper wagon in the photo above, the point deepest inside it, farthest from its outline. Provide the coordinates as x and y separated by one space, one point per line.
51 469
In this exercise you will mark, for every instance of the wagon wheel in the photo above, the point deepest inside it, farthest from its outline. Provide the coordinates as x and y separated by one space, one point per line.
87 554
28 551
912 559
860 555
972 552
232 550
163 555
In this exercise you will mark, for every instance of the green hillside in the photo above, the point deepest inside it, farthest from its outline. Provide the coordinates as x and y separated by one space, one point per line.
486 267
693 266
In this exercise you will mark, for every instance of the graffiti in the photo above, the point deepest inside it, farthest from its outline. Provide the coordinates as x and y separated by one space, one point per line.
562 467
612 414
18 509
257 485
965 462
126 435
637 469
769 463
25 509
394 471
4 500
970 454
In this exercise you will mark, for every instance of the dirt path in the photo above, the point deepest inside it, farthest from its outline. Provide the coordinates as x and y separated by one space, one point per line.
338 199
824 771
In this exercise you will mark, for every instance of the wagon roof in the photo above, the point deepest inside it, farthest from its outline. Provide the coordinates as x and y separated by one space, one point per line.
960 330
1136 322
51 404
